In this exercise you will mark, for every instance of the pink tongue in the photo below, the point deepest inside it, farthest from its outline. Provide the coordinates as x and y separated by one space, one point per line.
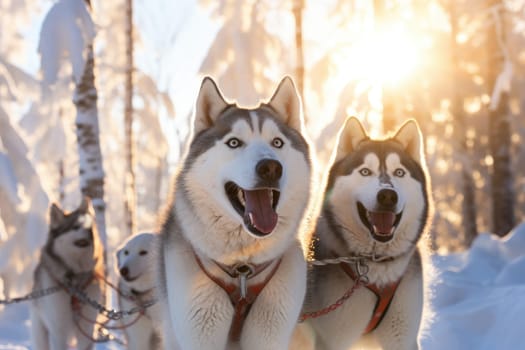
259 205
383 222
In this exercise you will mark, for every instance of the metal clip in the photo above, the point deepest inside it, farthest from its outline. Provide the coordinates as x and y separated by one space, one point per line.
244 272
362 271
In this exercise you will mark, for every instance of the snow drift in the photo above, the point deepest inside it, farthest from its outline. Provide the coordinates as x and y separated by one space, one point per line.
479 299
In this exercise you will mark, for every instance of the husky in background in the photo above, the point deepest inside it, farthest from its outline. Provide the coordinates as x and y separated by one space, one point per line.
72 254
136 286
376 208
232 265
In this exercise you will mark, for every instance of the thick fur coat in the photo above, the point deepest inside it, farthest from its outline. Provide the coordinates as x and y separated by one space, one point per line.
377 207
72 254
239 202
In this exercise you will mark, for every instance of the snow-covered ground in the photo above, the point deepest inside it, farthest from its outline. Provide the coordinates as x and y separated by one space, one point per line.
479 300
480 296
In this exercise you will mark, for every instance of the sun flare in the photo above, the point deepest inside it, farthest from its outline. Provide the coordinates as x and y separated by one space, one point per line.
384 57
388 56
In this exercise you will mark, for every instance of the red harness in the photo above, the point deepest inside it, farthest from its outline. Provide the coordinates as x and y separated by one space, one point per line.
76 305
241 304
136 299
384 298
74 301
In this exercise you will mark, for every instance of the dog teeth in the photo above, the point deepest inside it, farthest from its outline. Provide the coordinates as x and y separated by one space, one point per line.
250 215
240 195
270 193
391 230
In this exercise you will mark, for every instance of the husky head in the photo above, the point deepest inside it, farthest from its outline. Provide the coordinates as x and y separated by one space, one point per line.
248 170
73 239
377 189
133 258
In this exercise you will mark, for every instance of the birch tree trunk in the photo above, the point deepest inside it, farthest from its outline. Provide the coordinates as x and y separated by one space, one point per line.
129 186
502 184
468 204
61 182
90 157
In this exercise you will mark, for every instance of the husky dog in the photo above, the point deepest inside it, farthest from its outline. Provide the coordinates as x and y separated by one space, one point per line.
232 251
376 208
136 286
72 255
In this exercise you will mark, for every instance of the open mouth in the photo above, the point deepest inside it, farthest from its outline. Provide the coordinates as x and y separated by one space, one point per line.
382 225
256 207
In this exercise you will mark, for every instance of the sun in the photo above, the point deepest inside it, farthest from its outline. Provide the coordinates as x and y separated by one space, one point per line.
388 56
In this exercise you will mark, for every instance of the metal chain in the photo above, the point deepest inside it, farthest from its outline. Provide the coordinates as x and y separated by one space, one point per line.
37 294
352 259
362 279
109 313
104 335
331 307
83 297
335 261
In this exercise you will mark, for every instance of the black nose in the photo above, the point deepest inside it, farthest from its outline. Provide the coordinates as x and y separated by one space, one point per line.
387 198
124 271
269 170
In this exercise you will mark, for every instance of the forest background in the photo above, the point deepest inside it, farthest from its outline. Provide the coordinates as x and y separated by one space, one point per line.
454 66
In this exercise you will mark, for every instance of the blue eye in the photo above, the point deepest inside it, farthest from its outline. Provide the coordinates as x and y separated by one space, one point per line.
234 142
365 172
277 142
399 172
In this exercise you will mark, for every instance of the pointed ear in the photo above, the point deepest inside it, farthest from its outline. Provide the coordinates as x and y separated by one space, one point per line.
56 215
350 135
409 135
210 104
287 103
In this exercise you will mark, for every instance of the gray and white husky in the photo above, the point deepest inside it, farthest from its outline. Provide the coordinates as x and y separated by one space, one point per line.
72 254
232 256
137 286
376 209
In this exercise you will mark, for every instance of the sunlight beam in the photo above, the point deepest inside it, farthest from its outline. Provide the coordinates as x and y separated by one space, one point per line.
388 56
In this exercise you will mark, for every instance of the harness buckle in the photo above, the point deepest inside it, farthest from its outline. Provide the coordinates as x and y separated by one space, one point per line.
244 272
362 272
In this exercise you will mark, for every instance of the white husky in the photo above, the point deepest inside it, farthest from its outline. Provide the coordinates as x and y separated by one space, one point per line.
376 208
72 254
233 267
136 287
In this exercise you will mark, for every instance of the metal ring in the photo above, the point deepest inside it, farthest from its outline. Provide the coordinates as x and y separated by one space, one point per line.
244 270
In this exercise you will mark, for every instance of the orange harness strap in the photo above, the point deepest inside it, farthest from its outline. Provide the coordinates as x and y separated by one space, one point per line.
240 304
384 298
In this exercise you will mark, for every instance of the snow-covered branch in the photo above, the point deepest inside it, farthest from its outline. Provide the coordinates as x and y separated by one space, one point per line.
66 32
